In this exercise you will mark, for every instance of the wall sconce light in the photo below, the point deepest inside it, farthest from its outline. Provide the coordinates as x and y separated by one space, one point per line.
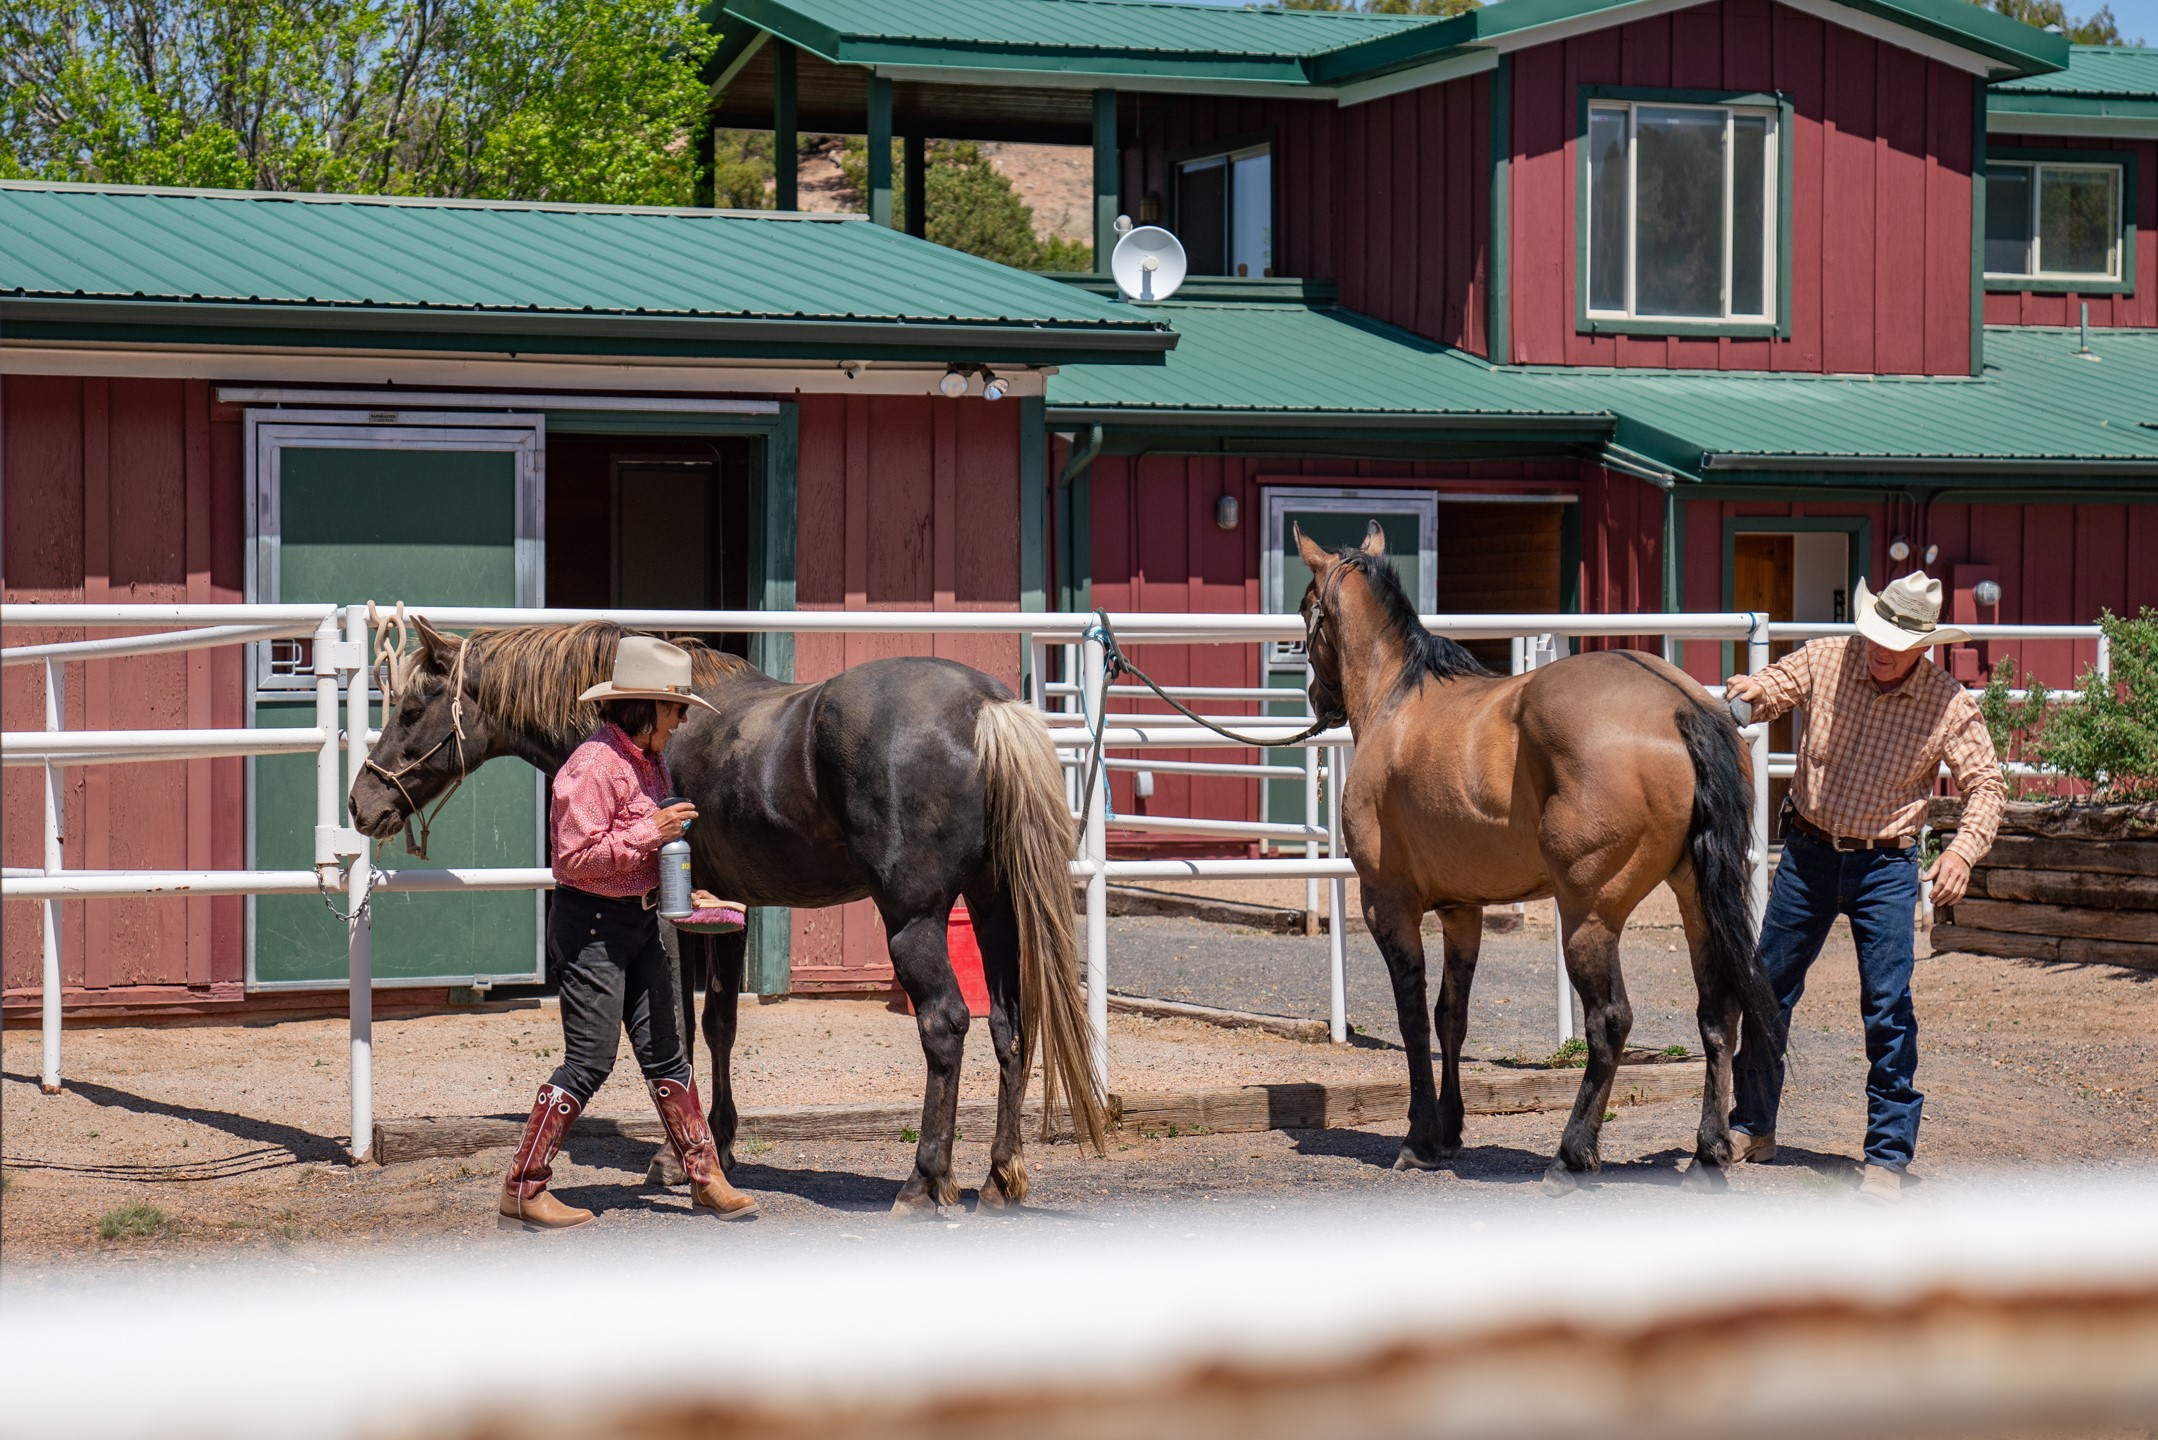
1899 549
1226 511
1987 593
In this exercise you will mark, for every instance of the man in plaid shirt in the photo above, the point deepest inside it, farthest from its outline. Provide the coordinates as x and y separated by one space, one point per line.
1880 720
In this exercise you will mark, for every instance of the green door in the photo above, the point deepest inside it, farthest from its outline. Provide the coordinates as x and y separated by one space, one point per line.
349 522
1333 520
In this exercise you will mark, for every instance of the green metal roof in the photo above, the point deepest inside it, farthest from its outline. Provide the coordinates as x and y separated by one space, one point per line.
1248 369
446 273
1098 37
1144 39
2108 82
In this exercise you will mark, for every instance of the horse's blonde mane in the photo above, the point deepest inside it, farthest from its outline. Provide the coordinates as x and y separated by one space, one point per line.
530 677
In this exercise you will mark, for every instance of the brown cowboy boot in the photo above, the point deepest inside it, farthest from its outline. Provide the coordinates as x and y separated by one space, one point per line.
526 1205
683 1116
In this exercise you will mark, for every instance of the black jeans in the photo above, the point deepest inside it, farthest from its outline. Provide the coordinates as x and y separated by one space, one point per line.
613 972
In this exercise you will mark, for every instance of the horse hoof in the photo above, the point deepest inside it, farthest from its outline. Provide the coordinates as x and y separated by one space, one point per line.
1560 1181
1408 1159
916 1207
1704 1179
666 1171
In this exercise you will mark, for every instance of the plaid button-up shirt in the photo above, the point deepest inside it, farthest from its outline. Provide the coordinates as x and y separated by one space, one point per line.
605 839
1869 758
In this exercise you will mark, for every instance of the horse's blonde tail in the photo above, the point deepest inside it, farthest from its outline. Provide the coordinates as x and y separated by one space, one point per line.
1031 842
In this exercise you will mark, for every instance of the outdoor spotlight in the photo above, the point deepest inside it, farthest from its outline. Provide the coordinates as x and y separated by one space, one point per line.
1899 549
1933 553
1123 225
954 383
1225 512
1987 593
993 385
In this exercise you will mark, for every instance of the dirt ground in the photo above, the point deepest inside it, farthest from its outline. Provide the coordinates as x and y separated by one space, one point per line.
233 1133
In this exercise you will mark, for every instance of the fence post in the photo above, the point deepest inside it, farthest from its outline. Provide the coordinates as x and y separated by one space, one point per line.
1757 659
359 876
48 1079
1311 846
1092 658
1337 900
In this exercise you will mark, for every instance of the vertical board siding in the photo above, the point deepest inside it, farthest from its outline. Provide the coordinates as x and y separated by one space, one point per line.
902 503
2057 565
1880 197
126 491
1303 133
2139 306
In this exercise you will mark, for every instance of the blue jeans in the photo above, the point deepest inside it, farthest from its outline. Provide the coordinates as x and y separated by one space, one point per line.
1878 890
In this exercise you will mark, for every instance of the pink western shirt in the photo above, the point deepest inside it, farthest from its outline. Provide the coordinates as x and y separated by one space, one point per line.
605 839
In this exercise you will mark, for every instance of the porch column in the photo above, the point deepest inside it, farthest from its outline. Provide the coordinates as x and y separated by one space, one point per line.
786 143
1107 184
917 156
880 150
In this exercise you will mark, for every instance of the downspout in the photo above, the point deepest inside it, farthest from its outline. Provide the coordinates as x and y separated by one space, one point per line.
1075 468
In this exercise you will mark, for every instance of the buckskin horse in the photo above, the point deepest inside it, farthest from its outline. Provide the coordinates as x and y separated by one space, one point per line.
910 781
1592 780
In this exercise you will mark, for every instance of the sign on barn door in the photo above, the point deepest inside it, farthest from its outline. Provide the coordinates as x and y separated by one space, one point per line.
1332 517
424 509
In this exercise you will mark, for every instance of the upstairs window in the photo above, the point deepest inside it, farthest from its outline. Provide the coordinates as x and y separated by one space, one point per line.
2053 221
1225 212
1679 211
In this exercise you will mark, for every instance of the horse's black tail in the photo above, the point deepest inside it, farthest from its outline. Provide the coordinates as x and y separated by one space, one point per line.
1722 829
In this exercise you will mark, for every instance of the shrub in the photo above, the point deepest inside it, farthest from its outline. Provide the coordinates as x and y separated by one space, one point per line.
2108 736
135 1222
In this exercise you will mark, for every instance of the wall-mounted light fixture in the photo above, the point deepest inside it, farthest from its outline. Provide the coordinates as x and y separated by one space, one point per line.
993 384
1933 553
1899 549
954 383
1987 593
1226 511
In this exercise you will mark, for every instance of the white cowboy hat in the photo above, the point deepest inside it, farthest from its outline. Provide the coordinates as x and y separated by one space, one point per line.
648 668
1902 616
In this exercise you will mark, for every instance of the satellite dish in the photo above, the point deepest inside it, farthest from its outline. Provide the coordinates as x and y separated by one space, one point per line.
1148 264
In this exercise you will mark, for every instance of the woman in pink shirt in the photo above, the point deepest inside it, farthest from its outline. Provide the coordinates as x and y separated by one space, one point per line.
608 821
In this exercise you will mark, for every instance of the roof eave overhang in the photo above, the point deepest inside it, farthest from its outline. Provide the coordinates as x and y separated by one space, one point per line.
1972 470
336 327
1584 424
2026 112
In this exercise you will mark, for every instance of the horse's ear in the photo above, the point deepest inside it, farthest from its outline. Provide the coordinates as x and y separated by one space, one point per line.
1316 556
437 650
1374 541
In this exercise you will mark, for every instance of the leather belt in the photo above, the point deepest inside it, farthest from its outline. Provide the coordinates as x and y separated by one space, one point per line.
1792 820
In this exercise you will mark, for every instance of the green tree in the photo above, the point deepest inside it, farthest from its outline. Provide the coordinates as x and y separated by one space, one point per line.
2099 28
1386 7
571 100
969 204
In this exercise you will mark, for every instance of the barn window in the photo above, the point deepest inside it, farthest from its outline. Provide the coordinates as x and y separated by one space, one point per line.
1679 212
1225 212
2053 220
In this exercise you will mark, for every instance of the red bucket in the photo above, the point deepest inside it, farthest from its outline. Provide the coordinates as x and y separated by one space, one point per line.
966 962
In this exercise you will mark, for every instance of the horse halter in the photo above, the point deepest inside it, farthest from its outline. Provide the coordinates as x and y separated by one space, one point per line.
1329 589
390 659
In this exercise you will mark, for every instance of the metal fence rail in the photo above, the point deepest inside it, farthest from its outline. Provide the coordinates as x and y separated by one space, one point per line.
342 648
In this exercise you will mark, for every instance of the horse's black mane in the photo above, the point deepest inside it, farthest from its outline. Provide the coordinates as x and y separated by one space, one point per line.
1428 654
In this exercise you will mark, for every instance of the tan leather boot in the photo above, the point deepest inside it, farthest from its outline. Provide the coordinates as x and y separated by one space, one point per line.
1881 1185
1752 1149
691 1138
526 1205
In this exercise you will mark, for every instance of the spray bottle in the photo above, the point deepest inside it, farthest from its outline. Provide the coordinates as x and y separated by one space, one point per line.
674 886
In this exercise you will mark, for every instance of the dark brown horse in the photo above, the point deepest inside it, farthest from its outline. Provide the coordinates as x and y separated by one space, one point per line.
1592 780
909 781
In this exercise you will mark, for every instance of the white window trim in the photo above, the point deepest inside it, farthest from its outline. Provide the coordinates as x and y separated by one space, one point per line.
2032 245
1771 217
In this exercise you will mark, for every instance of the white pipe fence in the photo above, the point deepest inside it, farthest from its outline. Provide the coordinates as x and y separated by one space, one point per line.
342 647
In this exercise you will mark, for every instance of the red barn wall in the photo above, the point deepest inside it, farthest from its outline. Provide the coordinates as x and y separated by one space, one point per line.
2140 305
2056 564
1881 219
1415 210
1156 547
1303 133
126 491
903 503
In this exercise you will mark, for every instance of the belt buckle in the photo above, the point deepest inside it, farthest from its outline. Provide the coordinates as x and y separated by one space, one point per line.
1843 846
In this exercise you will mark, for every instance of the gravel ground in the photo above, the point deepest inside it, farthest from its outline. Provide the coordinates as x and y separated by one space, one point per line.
229 1130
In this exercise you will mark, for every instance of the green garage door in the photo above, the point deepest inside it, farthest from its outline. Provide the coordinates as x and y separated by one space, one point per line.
379 514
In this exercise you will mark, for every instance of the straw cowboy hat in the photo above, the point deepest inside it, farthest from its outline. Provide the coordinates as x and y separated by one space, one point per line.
648 668
1902 616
